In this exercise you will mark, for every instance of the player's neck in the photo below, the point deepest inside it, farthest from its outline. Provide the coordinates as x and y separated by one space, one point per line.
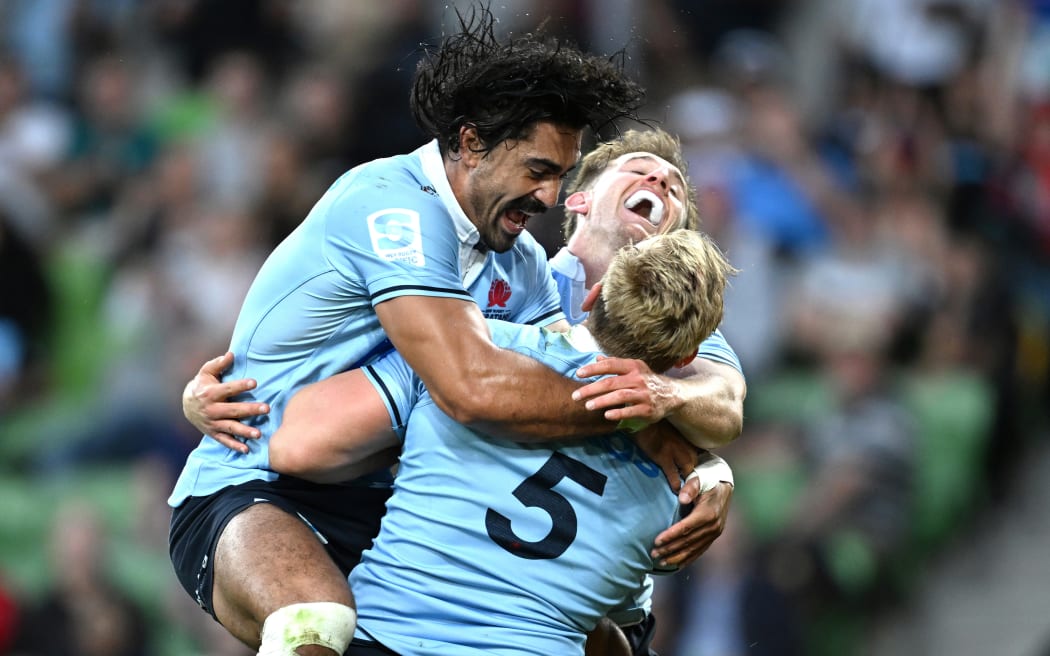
593 257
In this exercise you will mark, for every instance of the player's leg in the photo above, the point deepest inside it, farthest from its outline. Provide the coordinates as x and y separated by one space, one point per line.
267 560
607 639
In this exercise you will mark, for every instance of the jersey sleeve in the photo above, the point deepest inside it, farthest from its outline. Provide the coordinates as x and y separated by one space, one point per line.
393 238
716 348
398 386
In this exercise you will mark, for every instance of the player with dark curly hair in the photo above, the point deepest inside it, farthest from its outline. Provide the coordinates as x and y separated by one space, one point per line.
503 89
411 252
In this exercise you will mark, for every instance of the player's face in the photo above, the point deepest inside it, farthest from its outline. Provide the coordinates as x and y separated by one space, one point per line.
519 179
638 196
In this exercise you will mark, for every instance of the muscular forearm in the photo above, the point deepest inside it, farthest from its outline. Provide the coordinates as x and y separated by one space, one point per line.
447 343
710 404
517 397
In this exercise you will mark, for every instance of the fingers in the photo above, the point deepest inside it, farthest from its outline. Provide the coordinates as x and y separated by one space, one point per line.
690 490
597 388
687 540
685 550
230 442
215 392
606 365
216 366
617 390
235 428
615 399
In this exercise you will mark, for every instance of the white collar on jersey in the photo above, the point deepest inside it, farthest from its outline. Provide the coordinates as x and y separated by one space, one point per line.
568 265
471 259
434 169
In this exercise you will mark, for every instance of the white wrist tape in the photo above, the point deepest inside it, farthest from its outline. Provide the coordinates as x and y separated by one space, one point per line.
322 623
711 471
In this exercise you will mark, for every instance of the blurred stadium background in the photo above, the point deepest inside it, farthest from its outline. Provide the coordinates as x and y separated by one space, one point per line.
878 169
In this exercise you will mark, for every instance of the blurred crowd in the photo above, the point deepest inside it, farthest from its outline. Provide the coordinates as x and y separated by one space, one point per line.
879 170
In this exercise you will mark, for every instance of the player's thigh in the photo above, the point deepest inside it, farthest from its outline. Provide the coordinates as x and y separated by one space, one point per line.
265 559
607 639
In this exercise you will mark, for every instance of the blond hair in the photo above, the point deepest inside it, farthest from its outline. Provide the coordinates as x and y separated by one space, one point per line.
656 142
661 298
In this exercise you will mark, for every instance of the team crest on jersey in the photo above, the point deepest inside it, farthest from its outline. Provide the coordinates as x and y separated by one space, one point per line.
396 236
499 294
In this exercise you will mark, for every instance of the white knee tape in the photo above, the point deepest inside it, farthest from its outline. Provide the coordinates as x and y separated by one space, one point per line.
323 623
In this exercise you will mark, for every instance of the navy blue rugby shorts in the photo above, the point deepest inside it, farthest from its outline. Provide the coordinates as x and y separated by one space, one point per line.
640 636
344 517
361 647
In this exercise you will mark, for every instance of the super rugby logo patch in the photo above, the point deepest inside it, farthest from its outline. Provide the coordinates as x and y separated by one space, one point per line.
395 235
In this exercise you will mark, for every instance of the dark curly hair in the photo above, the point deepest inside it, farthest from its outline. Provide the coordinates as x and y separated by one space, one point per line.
504 89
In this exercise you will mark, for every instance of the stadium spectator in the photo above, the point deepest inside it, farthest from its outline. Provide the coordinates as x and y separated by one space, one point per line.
84 612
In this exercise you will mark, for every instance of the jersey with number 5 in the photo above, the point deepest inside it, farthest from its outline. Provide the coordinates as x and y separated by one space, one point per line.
493 547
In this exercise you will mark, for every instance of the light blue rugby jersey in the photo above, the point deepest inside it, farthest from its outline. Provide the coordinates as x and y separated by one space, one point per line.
572 287
385 229
492 547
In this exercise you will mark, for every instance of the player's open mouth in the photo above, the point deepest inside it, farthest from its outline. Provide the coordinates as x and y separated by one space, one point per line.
647 205
514 220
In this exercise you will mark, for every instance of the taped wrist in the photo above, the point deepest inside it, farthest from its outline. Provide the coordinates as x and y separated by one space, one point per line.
711 471
322 623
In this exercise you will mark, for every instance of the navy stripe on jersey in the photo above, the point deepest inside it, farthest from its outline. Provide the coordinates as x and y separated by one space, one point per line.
390 400
423 288
542 319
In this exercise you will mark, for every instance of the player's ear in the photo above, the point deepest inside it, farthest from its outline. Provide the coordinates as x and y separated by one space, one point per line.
470 145
684 361
592 297
579 202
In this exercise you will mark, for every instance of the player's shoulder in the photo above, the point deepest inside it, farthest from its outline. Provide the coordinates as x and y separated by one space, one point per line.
382 183
553 348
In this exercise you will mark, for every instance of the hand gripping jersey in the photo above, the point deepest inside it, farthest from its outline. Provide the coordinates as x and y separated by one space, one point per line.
492 547
385 229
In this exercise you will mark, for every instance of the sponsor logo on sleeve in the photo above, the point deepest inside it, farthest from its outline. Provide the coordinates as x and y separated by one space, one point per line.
396 235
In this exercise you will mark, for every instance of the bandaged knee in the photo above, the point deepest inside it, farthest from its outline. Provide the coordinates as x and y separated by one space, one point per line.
322 623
